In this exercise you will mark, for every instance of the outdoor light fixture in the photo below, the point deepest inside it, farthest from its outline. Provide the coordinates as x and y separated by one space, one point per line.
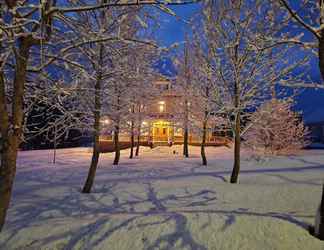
105 121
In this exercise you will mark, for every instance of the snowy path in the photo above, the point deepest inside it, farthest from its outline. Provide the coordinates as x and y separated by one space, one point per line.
163 201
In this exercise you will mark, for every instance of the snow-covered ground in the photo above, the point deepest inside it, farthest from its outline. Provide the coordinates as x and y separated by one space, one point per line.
163 201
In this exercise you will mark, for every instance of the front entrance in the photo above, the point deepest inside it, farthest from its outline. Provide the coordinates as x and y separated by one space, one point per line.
161 131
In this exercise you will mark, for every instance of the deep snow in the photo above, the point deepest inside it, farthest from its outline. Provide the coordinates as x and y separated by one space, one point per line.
162 201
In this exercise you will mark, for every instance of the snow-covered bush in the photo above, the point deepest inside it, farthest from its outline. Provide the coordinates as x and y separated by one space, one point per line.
276 129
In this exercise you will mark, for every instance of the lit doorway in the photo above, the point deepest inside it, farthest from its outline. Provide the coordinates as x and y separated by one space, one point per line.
161 131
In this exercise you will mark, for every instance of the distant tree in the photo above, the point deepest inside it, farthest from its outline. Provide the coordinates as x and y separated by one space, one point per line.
141 92
207 106
202 104
127 91
276 129
186 89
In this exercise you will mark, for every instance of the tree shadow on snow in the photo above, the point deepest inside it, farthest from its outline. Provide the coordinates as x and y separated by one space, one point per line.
34 208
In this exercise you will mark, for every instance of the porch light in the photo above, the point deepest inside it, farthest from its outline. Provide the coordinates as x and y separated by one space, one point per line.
105 121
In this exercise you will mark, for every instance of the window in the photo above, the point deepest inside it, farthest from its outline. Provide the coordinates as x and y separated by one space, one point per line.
162 106
178 132
163 86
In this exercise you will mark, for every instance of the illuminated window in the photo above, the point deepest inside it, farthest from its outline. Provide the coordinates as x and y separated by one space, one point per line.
178 132
162 106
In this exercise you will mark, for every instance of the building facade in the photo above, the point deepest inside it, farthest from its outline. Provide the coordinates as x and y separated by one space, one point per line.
162 115
162 120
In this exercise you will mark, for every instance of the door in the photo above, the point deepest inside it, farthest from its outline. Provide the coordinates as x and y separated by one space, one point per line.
160 132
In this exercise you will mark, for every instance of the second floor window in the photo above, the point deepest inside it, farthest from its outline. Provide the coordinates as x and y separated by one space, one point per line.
162 106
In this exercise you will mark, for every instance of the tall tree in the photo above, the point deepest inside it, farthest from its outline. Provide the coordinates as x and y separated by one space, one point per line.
186 89
244 72
21 31
206 104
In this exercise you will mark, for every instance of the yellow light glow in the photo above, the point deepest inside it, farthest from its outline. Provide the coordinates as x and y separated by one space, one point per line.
106 121
160 123
161 108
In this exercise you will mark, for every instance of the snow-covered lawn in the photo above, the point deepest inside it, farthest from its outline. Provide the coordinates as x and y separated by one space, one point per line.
163 201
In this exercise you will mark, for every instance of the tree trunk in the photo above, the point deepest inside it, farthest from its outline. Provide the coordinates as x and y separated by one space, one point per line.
132 141
321 54
185 143
8 172
132 134
116 144
11 139
54 146
203 154
93 166
321 225
203 142
116 130
237 146
138 139
237 125
186 133
96 126
186 103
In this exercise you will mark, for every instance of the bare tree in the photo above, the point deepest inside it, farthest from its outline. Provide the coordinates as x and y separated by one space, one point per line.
207 104
141 90
276 129
19 34
244 72
23 32
186 89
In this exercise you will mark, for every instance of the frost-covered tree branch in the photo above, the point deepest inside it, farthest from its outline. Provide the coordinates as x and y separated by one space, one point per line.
244 75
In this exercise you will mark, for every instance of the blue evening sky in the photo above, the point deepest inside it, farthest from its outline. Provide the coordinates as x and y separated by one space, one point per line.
173 31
